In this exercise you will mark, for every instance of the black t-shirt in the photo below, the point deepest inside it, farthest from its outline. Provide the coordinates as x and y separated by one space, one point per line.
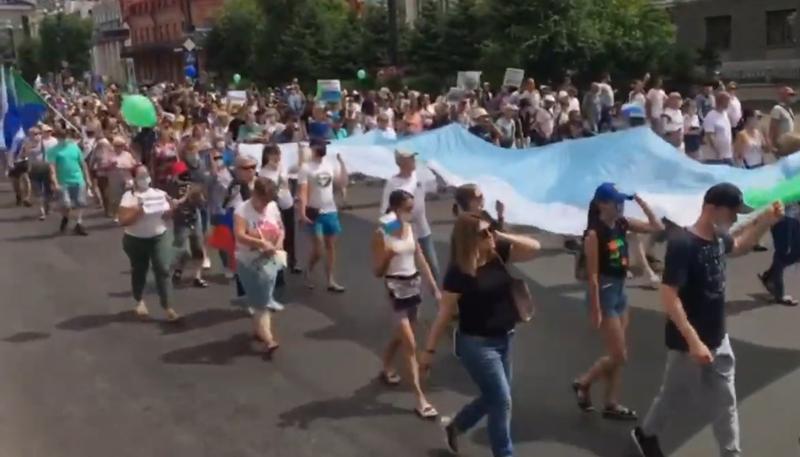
612 249
696 268
484 298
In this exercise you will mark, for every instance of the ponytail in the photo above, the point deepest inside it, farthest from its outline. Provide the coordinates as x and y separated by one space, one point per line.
593 218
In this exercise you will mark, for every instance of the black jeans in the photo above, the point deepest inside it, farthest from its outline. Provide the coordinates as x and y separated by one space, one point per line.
786 238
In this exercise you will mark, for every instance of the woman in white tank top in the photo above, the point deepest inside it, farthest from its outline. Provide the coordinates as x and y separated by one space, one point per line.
398 259
750 142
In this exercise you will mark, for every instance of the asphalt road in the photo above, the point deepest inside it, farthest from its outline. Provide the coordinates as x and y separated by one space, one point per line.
82 377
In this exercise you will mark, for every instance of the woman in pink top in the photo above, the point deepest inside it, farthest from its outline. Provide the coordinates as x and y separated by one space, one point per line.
413 118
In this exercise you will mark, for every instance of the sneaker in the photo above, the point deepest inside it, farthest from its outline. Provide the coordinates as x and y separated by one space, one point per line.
63 226
275 306
647 445
80 231
450 436
206 263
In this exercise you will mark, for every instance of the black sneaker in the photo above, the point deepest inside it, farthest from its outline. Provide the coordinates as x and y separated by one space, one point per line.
80 231
451 438
647 445
63 226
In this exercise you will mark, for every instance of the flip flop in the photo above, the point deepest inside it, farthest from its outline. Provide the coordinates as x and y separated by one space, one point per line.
389 379
620 413
583 397
428 412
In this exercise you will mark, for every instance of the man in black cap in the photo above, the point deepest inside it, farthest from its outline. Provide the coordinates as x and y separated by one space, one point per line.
700 362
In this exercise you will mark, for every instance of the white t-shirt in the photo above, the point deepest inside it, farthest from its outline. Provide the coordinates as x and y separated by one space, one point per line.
268 221
656 98
785 119
606 95
719 126
735 111
638 98
417 188
673 120
574 104
148 225
319 177
545 121
280 178
48 143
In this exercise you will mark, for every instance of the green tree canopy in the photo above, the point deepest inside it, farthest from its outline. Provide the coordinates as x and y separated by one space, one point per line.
65 38
229 45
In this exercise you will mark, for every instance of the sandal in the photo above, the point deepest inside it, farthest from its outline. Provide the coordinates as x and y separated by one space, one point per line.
788 300
428 412
620 413
390 379
583 396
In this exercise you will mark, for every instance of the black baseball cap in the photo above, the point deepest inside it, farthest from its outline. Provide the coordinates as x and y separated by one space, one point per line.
318 143
726 195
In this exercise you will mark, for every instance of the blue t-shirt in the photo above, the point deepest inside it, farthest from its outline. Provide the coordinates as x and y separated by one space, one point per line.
319 130
68 160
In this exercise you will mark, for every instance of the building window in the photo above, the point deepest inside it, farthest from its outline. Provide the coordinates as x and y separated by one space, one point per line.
718 32
780 28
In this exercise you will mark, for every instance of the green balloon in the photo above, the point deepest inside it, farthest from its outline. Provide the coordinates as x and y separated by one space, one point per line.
362 74
787 192
139 111
237 78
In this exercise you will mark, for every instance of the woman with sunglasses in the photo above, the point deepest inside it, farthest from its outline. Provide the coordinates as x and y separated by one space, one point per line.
469 199
398 259
479 286
751 143
606 254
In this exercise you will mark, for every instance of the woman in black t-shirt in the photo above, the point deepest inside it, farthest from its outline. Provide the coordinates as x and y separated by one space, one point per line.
478 285
606 251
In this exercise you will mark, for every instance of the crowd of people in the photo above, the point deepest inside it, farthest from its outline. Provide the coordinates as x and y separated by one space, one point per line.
184 195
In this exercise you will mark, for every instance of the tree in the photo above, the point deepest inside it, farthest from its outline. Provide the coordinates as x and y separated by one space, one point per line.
28 59
65 39
229 44
464 28
426 41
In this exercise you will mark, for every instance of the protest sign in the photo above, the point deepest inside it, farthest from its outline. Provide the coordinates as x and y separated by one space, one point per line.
469 80
329 90
237 97
513 77
154 203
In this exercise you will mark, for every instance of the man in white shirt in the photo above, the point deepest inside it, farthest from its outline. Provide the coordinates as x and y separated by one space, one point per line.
408 181
718 136
606 99
672 120
317 208
544 121
655 105
781 117
735 108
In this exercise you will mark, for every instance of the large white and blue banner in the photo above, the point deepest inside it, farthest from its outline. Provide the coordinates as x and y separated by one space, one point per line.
550 187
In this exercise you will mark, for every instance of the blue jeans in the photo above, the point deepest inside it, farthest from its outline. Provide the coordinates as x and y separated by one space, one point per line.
786 238
429 251
488 362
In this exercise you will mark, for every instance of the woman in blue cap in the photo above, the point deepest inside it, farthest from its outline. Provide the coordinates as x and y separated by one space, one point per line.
607 261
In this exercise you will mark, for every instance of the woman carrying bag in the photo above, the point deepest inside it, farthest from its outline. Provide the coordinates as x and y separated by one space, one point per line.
479 286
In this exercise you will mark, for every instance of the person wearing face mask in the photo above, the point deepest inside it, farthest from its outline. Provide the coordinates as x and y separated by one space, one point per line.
317 209
607 262
221 236
69 175
39 170
199 175
259 257
700 360
274 171
142 212
120 172
398 259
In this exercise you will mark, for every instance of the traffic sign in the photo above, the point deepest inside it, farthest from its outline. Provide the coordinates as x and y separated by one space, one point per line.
189 45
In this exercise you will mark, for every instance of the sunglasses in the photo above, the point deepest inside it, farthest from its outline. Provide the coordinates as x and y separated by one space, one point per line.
248 167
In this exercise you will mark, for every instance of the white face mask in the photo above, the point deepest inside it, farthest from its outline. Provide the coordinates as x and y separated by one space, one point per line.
142 182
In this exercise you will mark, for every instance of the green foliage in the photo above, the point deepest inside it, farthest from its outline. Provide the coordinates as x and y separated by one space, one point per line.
232 38
276 40
65 38
28 59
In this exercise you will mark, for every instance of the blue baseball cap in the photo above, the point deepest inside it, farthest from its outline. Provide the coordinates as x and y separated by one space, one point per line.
608 192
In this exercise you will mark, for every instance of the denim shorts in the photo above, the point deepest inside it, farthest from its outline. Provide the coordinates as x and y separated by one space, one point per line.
327 224
613 300
73 196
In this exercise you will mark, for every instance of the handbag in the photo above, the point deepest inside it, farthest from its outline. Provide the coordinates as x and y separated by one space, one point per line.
521 297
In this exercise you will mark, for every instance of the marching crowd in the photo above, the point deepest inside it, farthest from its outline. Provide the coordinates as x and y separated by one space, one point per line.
184 197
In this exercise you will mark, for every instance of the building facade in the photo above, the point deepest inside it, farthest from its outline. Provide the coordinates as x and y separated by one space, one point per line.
756 40
158 31
16 23
110 37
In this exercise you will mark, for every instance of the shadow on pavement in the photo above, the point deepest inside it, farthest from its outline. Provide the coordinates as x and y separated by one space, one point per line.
26 337
548 354
221 352
202 319
32 237
95 321
362 403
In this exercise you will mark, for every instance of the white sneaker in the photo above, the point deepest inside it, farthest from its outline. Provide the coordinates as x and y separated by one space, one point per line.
206 263
654 281
275 306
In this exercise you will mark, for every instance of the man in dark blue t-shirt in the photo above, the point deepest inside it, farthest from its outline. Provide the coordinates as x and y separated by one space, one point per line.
700 361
